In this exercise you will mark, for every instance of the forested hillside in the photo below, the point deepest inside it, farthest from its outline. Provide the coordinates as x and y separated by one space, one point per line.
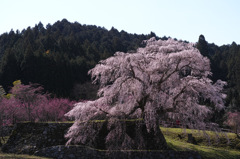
59 56
225 65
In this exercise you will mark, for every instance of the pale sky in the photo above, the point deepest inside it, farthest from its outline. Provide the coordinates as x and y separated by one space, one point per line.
217 20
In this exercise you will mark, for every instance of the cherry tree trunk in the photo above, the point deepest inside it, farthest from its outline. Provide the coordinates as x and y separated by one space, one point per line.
138 138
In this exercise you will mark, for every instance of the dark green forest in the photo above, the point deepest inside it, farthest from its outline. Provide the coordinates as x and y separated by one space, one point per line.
59 56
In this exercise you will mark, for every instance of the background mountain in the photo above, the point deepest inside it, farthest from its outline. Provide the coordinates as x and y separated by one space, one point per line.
59 56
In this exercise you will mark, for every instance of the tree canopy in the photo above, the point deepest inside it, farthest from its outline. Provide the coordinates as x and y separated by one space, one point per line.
164 80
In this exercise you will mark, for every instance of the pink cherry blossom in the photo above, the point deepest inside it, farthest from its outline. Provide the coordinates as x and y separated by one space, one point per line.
162 81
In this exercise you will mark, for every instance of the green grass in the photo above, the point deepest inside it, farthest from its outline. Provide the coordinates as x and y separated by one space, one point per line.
14 156
218 147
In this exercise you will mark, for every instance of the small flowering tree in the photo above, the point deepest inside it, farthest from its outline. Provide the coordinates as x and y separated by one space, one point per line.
54 109
2 109
29 98
164 80
10 111
233 120
30 103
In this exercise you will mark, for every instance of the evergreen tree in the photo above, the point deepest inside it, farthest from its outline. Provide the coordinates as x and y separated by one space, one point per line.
202 46
9 70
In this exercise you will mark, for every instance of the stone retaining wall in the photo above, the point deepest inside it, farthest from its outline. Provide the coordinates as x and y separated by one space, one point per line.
80 152
29 137
5 131
47 139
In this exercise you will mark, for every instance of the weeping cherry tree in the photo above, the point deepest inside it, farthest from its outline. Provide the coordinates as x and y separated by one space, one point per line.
165 80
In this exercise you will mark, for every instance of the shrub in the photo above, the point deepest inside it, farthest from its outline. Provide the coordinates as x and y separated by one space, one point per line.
30 103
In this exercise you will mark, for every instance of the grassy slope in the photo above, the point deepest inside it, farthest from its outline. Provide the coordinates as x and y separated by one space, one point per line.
216 147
